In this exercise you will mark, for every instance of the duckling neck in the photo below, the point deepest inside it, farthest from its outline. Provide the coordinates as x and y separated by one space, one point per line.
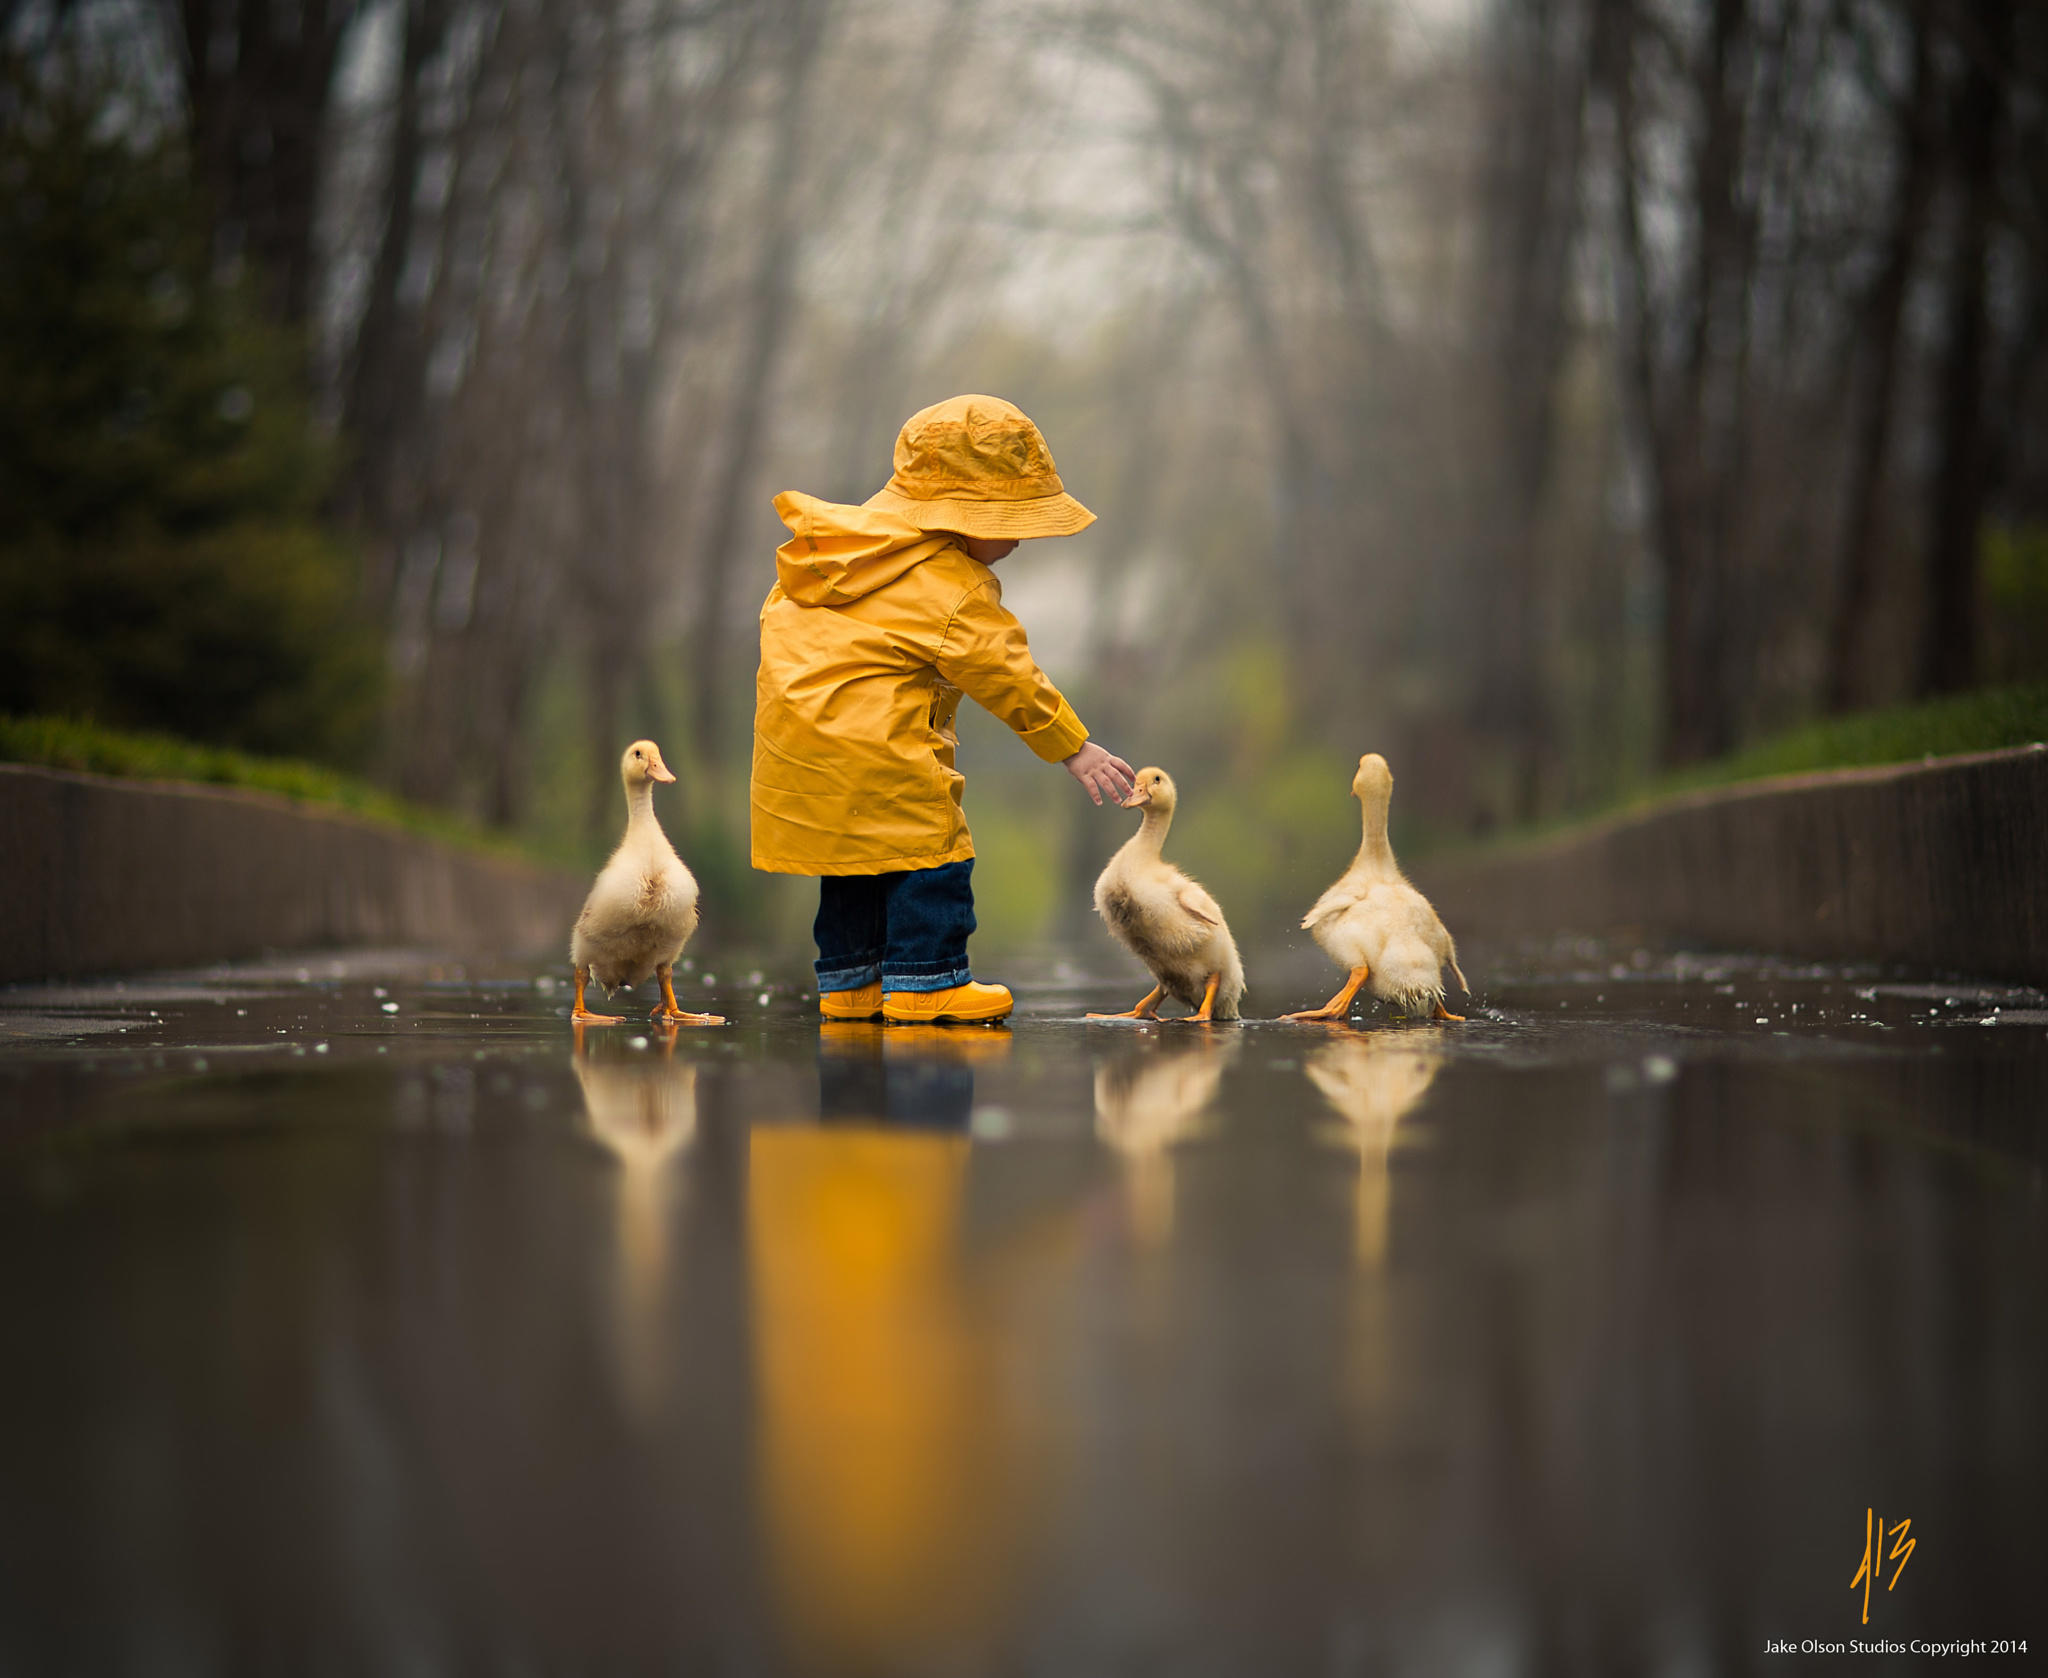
640 806
1375 854
1151 835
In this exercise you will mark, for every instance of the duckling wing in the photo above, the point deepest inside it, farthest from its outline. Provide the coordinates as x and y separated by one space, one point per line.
1200 904
1345 894
1154 919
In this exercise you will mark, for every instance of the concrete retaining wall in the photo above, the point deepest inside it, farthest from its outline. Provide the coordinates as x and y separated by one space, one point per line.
1943 865
108 876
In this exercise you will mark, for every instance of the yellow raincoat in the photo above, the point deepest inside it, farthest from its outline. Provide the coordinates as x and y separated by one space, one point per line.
872 632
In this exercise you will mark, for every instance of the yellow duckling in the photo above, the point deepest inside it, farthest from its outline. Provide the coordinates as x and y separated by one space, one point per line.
1164 919
642 909
1373 922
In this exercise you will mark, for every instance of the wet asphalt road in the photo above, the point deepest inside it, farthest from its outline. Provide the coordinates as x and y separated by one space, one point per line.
358 1321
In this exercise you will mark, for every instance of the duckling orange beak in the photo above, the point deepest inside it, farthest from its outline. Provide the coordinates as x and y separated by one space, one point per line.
1139 796
660 772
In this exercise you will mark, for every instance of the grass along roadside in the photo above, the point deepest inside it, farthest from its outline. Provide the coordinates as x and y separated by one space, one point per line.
1986 721
1989 720
60 743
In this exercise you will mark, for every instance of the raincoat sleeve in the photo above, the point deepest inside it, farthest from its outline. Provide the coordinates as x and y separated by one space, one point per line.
985 655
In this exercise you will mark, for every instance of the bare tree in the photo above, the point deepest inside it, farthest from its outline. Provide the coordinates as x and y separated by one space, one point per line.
1530 190
1734 99
257 78
1269 125
1947 654
1915 117
797 33
531 284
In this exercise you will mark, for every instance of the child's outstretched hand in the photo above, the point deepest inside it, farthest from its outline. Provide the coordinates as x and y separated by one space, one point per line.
1101 772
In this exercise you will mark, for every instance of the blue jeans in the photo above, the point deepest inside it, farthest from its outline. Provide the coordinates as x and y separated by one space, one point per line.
908 929
859 1082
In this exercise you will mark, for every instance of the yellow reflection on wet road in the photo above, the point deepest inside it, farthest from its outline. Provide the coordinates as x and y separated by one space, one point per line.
892 1483
1373 1080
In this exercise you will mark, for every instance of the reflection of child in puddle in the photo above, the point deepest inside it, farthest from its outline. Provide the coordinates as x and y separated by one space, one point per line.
921 1075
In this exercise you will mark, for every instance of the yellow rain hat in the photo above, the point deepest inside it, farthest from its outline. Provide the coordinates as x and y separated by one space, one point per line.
977 466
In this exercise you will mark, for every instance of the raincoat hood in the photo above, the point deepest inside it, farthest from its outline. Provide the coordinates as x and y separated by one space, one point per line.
871 635
837 553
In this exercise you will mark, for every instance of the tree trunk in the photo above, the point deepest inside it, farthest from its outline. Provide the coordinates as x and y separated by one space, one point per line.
1856 566
1947 659
1692 414
774 306
387 348
259 127
1532 206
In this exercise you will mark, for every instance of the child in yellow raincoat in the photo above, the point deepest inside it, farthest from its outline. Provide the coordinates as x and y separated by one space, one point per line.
881 617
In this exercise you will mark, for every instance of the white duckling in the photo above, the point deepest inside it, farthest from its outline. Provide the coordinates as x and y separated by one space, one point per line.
1164 919
642 909
1373 922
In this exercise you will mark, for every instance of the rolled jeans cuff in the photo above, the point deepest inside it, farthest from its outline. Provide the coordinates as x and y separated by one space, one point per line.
847 978
927 976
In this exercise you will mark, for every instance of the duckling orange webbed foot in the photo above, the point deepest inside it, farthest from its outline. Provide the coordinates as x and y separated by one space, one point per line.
1339 1006
581 1015
672 1012
1442 1013
1148 1009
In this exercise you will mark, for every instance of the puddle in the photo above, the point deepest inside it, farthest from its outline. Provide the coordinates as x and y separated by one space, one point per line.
363 1318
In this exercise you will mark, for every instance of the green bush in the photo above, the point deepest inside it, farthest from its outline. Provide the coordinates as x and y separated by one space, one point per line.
2016 600
162 563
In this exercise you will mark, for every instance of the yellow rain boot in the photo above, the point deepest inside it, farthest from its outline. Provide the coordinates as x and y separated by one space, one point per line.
864 1003
971 1001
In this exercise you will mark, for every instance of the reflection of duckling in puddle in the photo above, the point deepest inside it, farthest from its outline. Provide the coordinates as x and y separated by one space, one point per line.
903 1074
643 1109
1373 1080
1148 1102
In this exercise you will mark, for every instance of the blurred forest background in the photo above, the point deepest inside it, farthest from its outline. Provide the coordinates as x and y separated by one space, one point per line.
1541 392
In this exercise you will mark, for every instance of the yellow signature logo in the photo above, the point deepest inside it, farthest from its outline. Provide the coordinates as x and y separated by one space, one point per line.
1874 1558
